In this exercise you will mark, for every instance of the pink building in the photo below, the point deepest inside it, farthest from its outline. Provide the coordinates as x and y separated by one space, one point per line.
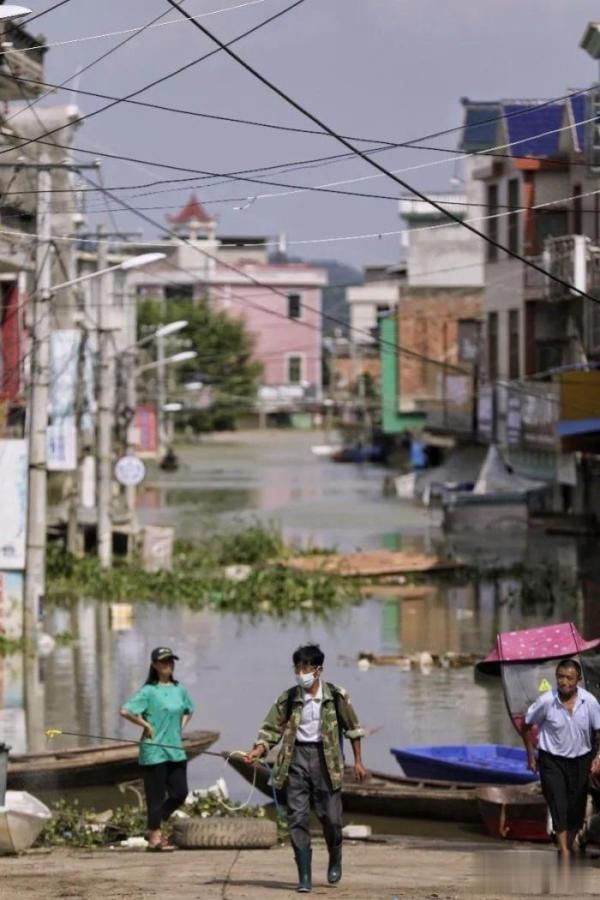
280 302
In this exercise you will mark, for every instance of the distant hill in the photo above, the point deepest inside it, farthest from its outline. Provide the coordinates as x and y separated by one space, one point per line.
334 298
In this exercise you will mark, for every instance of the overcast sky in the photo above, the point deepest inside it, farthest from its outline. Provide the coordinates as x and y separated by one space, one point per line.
382 69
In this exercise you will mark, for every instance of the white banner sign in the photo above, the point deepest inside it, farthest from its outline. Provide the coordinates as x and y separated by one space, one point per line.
13 491
62 446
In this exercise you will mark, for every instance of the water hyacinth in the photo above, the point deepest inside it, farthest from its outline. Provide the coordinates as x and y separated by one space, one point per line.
239 571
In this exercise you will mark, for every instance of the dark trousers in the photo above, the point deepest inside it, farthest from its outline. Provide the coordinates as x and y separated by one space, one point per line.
308 786
164 780
565 786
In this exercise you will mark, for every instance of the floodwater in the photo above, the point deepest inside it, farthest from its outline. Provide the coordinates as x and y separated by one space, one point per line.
234 668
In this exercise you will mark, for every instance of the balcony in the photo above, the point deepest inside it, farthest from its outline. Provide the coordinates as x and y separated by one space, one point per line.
22 57
573 259
562 416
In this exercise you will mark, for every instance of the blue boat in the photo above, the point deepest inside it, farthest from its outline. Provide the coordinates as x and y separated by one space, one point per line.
473 763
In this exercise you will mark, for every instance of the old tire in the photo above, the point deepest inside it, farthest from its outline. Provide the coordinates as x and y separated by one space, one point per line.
224 833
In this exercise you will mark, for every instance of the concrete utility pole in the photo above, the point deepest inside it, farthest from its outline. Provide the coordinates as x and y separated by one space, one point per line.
106 383
161 396
35 571
131 444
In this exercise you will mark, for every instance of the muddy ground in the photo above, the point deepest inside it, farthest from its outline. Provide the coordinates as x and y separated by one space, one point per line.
398 869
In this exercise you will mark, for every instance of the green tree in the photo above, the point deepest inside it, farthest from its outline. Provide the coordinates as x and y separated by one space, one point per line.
224 361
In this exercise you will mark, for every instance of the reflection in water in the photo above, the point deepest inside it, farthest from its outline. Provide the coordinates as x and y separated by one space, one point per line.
234 668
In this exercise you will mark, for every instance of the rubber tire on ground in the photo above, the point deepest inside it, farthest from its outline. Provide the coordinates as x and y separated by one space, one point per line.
228 833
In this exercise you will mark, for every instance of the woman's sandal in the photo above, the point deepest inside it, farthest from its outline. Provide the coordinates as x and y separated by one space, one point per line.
162 846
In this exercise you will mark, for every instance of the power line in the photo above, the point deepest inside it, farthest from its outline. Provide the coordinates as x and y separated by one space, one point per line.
89 66
364 236
161 80
134 29
240 176
372 162
39 15
415 143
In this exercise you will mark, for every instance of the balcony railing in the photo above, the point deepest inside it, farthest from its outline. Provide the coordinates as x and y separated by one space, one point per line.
571 259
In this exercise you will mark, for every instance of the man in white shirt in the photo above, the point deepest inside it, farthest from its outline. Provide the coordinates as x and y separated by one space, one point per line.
568 720
309 721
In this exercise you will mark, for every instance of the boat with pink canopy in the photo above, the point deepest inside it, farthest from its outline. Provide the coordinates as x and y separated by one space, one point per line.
526 661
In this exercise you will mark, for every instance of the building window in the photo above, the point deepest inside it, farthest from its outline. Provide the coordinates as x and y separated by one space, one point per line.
294 306
577 210
492 341
295 375
514 369
179 292
513 215
492 222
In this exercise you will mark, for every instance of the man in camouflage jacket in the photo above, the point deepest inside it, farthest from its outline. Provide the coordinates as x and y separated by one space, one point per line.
309 721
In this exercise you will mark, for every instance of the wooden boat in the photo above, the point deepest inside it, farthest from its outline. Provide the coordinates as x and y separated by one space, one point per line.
386 795
89 766
474 763
513 812
21 819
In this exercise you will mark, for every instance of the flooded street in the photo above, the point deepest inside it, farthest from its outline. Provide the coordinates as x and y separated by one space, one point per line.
234 668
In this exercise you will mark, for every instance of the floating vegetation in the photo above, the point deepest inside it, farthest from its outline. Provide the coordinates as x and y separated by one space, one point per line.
238 571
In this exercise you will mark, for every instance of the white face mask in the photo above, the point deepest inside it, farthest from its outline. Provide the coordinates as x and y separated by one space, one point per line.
306 680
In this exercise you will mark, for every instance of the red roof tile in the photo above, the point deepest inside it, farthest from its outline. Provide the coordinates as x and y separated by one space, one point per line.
192 211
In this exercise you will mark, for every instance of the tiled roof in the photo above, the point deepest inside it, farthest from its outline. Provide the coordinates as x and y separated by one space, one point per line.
527 123
192 211
481 123
527 128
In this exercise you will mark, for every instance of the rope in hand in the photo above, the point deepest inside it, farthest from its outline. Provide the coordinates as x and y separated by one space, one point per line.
56 732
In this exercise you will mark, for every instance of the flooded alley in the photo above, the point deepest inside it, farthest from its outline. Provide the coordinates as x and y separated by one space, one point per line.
234 666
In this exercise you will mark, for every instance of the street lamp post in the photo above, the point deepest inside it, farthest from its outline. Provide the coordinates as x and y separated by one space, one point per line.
131 394
106 398
35 563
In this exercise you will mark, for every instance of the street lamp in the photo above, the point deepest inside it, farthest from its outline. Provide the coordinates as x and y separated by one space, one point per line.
161 332
135 262
161 363
176 358
35 563
13 12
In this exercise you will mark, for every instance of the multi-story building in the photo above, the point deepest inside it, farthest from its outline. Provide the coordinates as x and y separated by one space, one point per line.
429 344
539 398
280 302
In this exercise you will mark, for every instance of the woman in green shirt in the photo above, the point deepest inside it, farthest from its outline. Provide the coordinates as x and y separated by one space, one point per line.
162 707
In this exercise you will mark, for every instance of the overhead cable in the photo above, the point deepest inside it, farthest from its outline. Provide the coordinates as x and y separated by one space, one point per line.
40 138
373 162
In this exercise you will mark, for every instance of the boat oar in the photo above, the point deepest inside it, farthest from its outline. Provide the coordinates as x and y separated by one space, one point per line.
55 732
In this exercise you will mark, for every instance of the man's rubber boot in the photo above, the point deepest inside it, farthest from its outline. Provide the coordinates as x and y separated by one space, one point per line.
304 863
334 870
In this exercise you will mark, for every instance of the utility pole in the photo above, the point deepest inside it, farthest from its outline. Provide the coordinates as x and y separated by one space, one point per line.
106 382
35 569
73 543
161 396
131 447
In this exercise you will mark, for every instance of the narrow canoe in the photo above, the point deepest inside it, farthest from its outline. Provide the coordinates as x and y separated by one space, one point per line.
513 812
89 766
387 795
473 763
